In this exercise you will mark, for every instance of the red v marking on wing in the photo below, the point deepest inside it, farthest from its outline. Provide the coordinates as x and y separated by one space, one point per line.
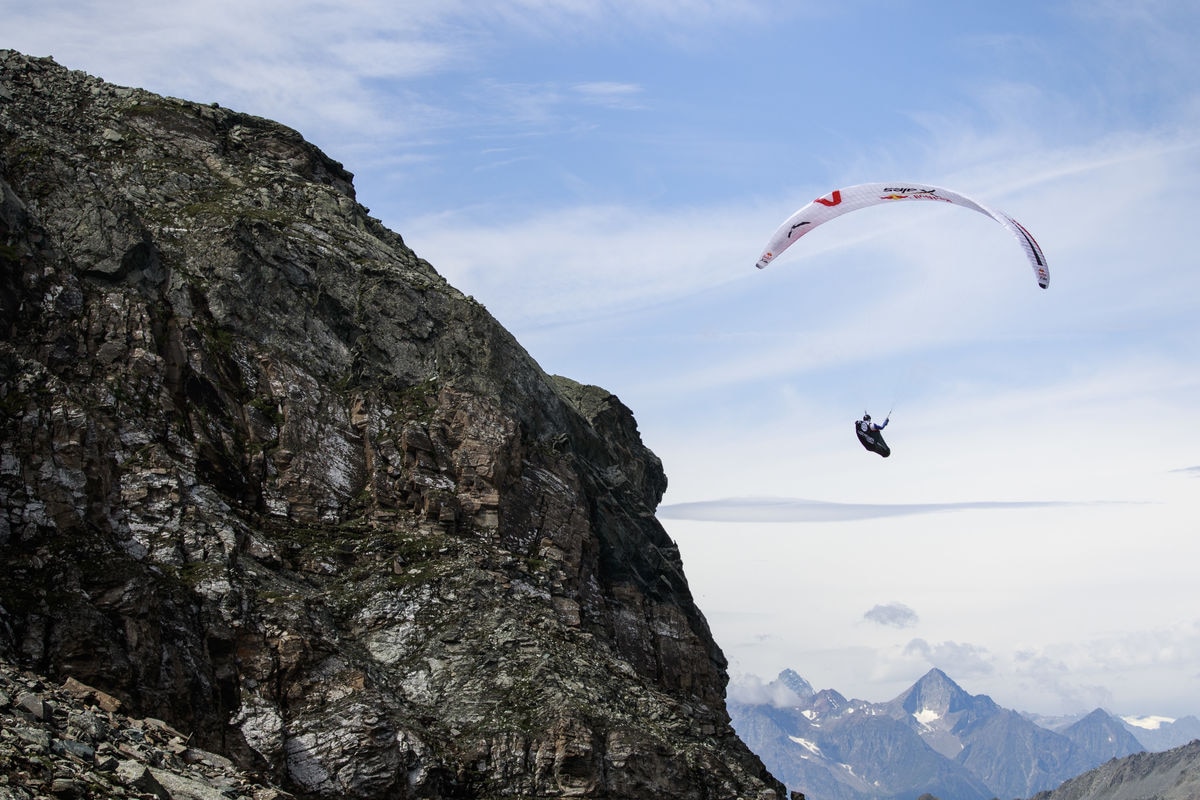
834 200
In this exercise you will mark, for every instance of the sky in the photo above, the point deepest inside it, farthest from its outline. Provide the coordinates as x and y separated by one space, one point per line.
603 175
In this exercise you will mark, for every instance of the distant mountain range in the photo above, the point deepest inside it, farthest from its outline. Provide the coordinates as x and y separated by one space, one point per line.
934 738
1155 733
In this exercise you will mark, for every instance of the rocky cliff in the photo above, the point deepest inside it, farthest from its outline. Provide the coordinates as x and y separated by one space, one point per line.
267 477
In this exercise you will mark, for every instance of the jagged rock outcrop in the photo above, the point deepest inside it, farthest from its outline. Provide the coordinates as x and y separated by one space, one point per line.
73 741
266 476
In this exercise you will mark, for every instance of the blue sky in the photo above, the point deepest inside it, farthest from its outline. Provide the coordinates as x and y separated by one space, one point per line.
603 175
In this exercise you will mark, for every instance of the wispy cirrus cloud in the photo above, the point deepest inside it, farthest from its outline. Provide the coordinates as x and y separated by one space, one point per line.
789 509
610 94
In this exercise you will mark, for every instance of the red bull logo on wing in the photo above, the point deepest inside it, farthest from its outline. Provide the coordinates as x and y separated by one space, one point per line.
921 196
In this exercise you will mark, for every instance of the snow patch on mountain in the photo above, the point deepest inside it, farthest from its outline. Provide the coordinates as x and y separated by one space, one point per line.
807 745
1150 723
927 715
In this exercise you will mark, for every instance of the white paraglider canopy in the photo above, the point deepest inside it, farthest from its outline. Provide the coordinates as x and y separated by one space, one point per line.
852 198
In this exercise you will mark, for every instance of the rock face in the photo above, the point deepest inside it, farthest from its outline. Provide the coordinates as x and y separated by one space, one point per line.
72 741
266 476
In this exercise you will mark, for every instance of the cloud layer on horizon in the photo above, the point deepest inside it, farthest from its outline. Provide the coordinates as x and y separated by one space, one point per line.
791 509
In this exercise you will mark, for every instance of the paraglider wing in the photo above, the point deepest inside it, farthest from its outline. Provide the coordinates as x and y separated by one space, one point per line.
852 198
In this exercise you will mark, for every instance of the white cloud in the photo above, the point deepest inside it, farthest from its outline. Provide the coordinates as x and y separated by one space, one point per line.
751 690
1077 675
585 262
893 615
954 658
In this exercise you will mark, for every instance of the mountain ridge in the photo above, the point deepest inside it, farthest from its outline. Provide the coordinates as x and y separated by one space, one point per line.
1168 775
